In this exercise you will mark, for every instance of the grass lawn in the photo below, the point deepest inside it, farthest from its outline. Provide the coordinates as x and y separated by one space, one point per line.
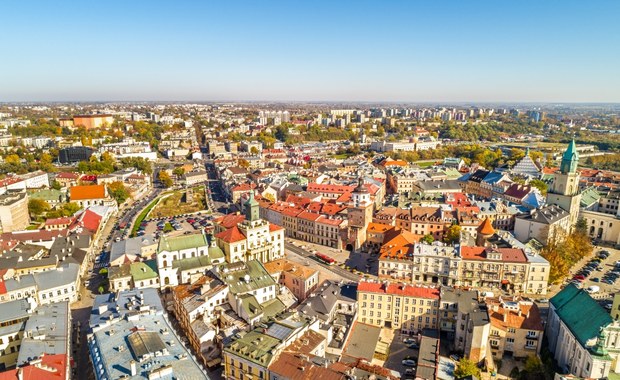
168 227
176 204
142 215
32 227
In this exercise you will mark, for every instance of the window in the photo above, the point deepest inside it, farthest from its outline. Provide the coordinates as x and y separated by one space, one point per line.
510 340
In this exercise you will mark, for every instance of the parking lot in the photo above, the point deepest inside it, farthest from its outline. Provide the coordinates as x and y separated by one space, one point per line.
400 349
600 271
176 225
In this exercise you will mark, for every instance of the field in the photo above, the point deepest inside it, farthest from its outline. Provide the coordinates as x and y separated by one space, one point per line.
176 204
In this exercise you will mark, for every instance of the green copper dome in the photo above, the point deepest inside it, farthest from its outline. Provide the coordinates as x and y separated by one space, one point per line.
570 159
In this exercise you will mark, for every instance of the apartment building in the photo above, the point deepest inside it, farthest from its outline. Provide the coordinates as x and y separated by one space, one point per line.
14 214
516 328
299 279
398 306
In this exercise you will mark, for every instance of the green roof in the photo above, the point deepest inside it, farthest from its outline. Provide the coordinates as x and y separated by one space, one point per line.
216 253
181 242
452 173
580 313
255 347
192 263
589 196
144 270
257 277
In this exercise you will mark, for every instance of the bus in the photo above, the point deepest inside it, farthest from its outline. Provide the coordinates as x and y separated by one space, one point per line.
324 259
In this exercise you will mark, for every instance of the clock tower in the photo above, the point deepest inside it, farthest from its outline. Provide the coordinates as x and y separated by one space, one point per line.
564 191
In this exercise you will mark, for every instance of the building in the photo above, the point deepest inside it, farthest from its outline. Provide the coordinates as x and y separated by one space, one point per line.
527 167
253 238
88 121
131 338
299 279
398 306
13 316
550 223
491 267
74 154
194 177
91 195
14 214
133 249
516 328
465 320
252 291
180 258
359 214
582 336
131 275
564 190
129 148
251 354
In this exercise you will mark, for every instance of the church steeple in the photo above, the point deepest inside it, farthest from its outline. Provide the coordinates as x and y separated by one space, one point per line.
570 159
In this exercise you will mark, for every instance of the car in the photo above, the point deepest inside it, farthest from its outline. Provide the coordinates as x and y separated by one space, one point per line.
543 300
595 279
579 277
409 363
409 340
455 357
413 345
409 372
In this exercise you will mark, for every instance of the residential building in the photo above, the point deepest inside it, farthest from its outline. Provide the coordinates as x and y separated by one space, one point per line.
491 267
133 249
398 306
131 275
472 325
516 328
550 223
14 214
299 279
88 121
131 338
13 316
250 355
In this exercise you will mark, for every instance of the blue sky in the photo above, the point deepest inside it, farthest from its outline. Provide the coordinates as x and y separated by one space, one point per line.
418 51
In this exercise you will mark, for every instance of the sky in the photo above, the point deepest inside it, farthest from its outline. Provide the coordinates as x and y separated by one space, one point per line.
388 51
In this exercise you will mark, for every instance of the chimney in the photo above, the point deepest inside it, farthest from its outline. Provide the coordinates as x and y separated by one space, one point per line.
132 366
506 316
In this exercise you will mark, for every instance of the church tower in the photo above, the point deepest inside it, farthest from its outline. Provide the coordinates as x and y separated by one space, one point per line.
252 208
359 213
564 191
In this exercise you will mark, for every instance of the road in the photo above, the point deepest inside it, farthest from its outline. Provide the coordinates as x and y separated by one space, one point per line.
80 310
302 256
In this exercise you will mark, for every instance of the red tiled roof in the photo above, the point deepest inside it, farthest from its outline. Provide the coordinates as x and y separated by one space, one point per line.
378 227
333 222
244 187
77 193
53 367
67 175
90 220
297 200
230 220
59 221
2 287
231 235
274 227
398 289
480 253
292 211
307 215
320 188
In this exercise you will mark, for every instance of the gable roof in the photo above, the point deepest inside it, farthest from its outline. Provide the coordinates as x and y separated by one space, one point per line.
572 305
231 235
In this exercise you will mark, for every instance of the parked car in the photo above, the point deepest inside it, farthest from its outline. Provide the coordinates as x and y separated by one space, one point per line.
409 363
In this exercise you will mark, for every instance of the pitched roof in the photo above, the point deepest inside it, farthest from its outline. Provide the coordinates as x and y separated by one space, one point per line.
480 253
231 235
572 304
77 193
178 243
398 289
526 317
53 367
230 220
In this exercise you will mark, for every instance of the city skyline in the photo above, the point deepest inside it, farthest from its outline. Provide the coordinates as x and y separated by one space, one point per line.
445 52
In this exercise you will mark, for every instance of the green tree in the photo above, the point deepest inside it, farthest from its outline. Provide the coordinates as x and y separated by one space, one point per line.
466 367
281 132
540 185
254 150
70 208
534 369
453 234
165 179
56 185
178 171
428 239
118 191
37 207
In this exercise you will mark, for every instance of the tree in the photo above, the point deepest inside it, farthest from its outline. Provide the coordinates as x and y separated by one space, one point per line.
56 185
178 171
540 185
12 159
244 163
281 132
534 369
453 234
254 151
165 179
516 154
466 367
428 239
37 207
118 191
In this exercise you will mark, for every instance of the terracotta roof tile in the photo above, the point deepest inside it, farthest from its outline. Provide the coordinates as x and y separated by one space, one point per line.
231 235
77 193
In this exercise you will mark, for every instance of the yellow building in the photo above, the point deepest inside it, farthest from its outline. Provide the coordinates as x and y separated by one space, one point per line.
398 306
14 211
